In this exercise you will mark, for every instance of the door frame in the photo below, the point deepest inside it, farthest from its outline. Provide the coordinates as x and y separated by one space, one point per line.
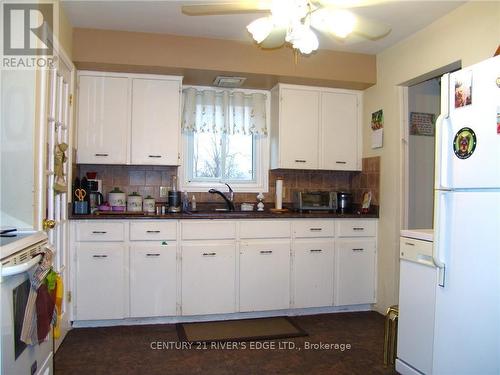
40 169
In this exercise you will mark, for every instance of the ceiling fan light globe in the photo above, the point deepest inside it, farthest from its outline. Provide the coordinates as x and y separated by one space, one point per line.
342 23
260 28
284 12
306 42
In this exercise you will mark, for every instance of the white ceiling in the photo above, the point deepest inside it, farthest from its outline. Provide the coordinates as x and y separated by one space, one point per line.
405 18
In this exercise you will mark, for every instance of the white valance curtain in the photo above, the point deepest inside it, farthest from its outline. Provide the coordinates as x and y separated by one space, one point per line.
224 112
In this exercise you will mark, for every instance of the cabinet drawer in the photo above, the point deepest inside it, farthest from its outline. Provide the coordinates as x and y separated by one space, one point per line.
267 229
153 230
100 231
356 228
208 230
314 228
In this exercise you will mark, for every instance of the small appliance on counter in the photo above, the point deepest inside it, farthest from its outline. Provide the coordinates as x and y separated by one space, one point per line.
117 200
174 197
134 202
344 202
315 200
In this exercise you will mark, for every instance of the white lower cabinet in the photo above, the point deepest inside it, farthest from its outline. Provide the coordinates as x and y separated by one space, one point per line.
153 278
264 275
355 271
208 277
101 282
313 272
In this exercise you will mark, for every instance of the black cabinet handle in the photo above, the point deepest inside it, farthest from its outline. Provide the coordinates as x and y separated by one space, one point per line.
315 229
99 256
152 255
154 156
266 251
209 254
300 161
358 249
99 232
341 162
101 154
358 228
316 250
152 231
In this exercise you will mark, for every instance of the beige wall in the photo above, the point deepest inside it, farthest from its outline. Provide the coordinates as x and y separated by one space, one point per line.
65 33
469 34
199 60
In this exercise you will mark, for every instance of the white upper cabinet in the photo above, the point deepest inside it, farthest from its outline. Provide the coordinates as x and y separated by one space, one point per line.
103 119
128 118
155 121
299 129
315 128
340 133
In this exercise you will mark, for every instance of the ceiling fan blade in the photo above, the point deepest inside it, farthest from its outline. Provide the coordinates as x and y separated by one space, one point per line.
345 4
255 6
275 39
370 29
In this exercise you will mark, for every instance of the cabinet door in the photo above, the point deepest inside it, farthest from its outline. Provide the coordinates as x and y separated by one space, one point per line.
264 275
208 278
299 124
103 120
313 268
155 121
100 281
355 271
339 131
153 279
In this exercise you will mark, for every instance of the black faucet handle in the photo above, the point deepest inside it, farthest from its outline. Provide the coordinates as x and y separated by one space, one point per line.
229 187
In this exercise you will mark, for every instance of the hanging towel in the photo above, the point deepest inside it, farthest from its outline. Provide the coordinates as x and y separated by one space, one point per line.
29 332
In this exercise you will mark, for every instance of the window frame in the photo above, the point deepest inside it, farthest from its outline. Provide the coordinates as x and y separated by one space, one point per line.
261 155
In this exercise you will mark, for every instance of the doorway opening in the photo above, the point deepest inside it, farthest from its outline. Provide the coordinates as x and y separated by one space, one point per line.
421 107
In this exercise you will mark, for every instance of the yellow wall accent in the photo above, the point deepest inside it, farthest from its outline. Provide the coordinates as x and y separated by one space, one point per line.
470 33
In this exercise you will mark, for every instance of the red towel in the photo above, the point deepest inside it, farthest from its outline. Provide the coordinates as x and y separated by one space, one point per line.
44 312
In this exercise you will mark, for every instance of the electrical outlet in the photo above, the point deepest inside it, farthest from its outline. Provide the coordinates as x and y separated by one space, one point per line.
163 191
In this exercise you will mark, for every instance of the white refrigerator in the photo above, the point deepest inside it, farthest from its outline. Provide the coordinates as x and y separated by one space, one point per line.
466 250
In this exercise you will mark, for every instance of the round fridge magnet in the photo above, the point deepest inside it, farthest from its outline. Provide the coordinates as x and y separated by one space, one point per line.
464 143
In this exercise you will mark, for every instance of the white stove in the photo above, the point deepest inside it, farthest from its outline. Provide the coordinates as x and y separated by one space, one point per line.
18 255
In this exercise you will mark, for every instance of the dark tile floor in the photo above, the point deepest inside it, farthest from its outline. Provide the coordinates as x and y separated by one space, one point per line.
127 350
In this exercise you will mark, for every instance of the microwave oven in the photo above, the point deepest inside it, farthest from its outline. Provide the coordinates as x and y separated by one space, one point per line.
315 200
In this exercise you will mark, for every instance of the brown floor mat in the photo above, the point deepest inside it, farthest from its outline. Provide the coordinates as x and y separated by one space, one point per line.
240 330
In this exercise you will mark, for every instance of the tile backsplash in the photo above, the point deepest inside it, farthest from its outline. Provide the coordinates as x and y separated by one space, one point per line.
146 180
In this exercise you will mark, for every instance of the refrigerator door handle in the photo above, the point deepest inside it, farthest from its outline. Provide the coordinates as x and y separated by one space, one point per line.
441 164
440 205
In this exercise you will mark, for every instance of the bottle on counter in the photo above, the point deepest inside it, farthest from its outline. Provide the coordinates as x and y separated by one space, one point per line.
193 203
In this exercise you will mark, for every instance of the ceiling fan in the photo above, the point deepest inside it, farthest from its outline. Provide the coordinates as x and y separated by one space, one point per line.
293 21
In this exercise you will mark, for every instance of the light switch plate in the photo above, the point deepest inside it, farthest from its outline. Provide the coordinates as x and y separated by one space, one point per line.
163 191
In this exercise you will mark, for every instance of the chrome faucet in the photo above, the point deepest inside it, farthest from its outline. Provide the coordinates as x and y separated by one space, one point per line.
229 201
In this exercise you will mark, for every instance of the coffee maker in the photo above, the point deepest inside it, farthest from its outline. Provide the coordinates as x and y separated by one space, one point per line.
95 195
174 197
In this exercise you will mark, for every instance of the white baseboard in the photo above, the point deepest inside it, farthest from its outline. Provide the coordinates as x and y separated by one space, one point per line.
212 317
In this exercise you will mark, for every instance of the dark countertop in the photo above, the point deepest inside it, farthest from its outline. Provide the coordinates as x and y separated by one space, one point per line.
211 215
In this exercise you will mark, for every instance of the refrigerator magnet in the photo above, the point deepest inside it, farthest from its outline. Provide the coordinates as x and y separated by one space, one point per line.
464 143
463 89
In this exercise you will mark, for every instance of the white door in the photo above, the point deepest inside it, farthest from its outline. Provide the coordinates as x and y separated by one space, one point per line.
101 280
354 271
155 121
313 272
299 129
339 131
468 142
103 119
208 278
153 279
467 238
269 287
54 127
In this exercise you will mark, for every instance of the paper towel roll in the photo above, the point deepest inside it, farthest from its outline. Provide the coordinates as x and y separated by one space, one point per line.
279 194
